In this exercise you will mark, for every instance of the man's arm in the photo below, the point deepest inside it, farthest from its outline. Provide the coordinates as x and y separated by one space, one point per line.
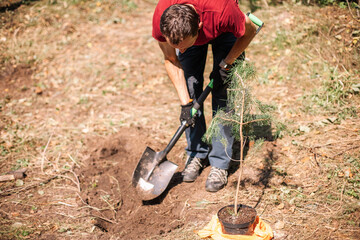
241 43
175 72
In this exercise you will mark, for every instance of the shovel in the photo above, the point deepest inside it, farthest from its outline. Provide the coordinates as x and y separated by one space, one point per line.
154 172
256 21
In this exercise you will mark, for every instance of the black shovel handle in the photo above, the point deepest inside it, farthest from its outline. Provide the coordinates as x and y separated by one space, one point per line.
184 125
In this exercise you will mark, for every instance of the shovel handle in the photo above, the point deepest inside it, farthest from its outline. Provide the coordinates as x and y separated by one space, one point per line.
202 98
256 21
183 125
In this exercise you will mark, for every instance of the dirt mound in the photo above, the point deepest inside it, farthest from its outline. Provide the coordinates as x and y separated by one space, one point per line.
107 191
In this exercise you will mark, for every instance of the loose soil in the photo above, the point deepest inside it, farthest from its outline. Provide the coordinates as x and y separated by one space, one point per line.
245 215
15 82
106 181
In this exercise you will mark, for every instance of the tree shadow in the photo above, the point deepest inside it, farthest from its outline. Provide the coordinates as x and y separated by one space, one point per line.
266 173
263 175
260 132
175 180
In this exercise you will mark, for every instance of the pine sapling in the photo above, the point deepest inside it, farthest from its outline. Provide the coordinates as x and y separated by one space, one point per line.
243 114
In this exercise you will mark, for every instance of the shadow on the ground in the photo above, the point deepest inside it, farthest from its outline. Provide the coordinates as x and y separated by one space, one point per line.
261 132
12 5
266 173
175 180
262 176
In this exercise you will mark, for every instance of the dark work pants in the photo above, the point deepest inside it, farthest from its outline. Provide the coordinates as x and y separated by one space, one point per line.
193 63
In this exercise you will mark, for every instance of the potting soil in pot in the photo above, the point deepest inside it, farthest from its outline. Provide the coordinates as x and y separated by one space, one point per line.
243 216
261 231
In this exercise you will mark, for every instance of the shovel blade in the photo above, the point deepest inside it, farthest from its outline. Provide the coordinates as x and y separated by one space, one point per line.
151 178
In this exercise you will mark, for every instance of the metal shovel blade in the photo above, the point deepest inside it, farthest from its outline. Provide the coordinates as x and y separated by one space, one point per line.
152 174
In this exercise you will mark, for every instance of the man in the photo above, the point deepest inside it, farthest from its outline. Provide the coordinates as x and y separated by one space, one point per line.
184 29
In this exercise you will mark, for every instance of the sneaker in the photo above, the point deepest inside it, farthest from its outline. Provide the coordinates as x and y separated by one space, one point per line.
216 180
192 169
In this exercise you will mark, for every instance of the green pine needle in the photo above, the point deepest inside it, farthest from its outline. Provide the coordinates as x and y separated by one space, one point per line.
255 113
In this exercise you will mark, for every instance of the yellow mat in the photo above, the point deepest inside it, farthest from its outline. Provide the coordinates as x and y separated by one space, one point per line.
262 231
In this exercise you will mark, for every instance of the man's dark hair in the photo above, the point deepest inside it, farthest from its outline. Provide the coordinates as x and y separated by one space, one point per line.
179 22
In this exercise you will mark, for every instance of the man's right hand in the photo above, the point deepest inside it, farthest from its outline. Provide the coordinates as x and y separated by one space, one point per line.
224 74
225 70
185 114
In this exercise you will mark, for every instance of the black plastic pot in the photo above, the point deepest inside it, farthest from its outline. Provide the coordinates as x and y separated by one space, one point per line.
236 229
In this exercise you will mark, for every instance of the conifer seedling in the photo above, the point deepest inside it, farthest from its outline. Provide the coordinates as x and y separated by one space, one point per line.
243 114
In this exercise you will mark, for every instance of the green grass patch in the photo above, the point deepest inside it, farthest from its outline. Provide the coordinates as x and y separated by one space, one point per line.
333 96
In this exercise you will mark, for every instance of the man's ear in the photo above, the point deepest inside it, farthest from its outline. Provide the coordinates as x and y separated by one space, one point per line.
200 25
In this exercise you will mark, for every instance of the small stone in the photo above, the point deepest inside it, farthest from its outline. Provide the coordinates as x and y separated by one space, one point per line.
279 225
15 214
281 206
19 183
292 209
38 90
17 225
338 37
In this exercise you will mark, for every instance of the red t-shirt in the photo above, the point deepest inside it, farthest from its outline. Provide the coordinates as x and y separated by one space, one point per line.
218 16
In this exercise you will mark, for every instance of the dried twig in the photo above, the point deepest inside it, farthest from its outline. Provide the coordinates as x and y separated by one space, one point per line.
341 152
69 178
20 189
341 194
120 202
66 204
311 235
43 154
77 179
185 205
88 215
91 207
336 143
103 218
340 31
65 215
352 15
317 163
263 210
110 206
72 159
331 28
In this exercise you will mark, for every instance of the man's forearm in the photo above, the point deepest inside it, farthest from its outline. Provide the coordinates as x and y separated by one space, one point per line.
241 43
239 46
176 75
175 72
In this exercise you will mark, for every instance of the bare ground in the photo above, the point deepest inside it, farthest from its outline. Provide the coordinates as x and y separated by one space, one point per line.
83 92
